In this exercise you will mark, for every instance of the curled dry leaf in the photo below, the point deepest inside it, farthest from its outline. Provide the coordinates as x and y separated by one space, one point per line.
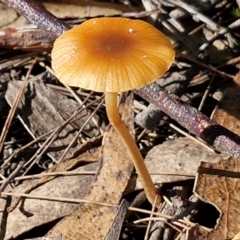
219 184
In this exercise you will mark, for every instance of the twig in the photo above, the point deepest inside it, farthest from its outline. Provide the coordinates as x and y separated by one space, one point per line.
55 198
158 219
150 222
41 175
197 123
72 119
150 212
209 67
10 177
191 137
80 130
38 15
14 108
214 26
206 93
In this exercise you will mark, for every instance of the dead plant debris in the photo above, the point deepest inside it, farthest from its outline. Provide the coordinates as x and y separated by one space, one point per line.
53 129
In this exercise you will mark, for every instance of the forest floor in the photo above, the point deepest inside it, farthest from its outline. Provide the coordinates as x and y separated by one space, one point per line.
65 173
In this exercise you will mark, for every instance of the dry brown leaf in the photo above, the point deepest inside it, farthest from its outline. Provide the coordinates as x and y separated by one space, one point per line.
28 38
44 211
177 157
88 152
66 186
237 236
43 109
44 238
82 8
115 231
227 113
197 232
219 185
7 15
93 222
71 8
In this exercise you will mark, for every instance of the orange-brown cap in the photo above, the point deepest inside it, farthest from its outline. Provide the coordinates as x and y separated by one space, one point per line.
111 55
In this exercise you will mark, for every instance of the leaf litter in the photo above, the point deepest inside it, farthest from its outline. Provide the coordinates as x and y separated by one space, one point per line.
115 168
173 163
219 184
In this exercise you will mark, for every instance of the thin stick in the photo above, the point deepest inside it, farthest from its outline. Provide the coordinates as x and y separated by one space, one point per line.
41 175
71 200
197 123
80 130
10 177
14 108
209 67
151 215
158 219
38 15
149 212
71 173
206 93
191 137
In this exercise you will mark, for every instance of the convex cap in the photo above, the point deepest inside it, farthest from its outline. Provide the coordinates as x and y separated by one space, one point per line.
111 55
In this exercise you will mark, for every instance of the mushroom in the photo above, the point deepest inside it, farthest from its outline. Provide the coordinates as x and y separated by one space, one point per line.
112 55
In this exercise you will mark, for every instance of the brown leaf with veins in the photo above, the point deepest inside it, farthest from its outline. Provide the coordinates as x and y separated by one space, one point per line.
43 109
43 211
179 160
88 152
219 185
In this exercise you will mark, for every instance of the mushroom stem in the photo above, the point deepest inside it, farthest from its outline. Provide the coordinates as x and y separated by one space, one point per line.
120 128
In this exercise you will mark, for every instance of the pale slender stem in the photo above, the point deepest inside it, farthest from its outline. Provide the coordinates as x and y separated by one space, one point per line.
120 128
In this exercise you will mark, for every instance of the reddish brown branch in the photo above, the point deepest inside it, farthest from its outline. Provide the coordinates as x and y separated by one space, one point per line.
38 15
36 40
193 120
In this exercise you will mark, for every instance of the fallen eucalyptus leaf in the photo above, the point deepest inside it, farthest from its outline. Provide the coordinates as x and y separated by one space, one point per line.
219 184
93 222
177 160
43 109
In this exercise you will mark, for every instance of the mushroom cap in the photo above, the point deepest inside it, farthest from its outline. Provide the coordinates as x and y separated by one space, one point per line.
111 54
